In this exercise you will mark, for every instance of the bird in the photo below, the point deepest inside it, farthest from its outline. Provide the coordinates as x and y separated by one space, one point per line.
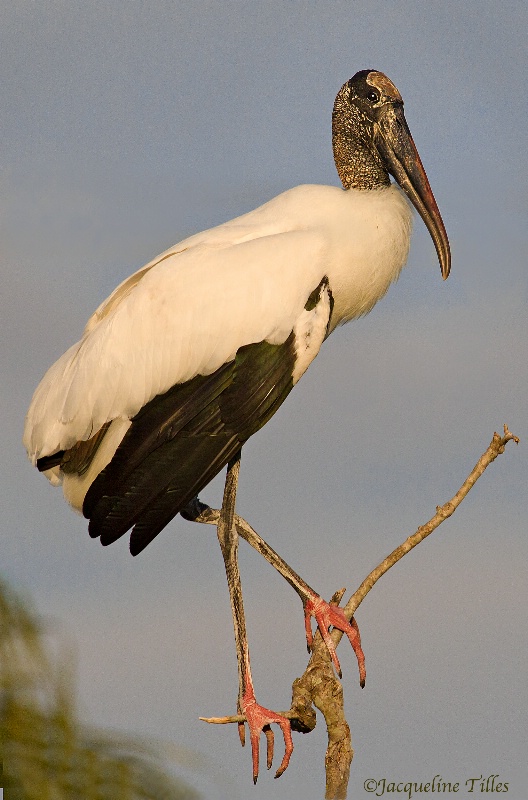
195 352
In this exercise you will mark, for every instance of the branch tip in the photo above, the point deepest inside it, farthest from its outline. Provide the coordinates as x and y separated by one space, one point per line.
224 720
509 436
337 597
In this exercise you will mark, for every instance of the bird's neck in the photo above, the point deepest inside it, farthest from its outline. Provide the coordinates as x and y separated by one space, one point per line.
357 161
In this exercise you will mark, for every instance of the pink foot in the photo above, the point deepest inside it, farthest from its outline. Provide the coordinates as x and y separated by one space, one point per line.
327 615
259 719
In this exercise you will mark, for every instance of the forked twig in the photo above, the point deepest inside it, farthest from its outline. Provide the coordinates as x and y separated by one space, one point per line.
319 685
339 752
496 447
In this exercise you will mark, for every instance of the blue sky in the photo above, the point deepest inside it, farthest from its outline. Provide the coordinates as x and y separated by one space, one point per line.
128 126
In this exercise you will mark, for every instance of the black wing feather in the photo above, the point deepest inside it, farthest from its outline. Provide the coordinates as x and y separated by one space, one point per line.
180 440
157 423
203 462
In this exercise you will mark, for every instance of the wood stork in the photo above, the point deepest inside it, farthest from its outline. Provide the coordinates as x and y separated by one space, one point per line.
195 352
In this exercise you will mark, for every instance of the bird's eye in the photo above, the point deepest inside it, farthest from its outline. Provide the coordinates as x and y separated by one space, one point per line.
373 97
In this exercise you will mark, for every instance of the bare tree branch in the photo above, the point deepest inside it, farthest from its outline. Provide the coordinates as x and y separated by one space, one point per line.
496 447
339 751
319 686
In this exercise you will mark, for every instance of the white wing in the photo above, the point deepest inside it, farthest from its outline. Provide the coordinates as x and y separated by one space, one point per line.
186 314
188 311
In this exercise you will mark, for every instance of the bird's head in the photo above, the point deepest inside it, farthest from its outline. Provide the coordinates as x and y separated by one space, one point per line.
371 140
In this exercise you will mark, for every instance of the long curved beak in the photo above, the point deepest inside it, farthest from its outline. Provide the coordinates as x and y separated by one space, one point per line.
395 144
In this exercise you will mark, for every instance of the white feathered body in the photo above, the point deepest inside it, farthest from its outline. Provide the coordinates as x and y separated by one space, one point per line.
188 311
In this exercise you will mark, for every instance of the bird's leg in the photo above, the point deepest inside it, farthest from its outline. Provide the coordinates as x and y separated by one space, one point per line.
258 718
325 614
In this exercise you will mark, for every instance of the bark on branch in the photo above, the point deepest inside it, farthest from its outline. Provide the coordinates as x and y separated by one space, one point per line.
319 685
